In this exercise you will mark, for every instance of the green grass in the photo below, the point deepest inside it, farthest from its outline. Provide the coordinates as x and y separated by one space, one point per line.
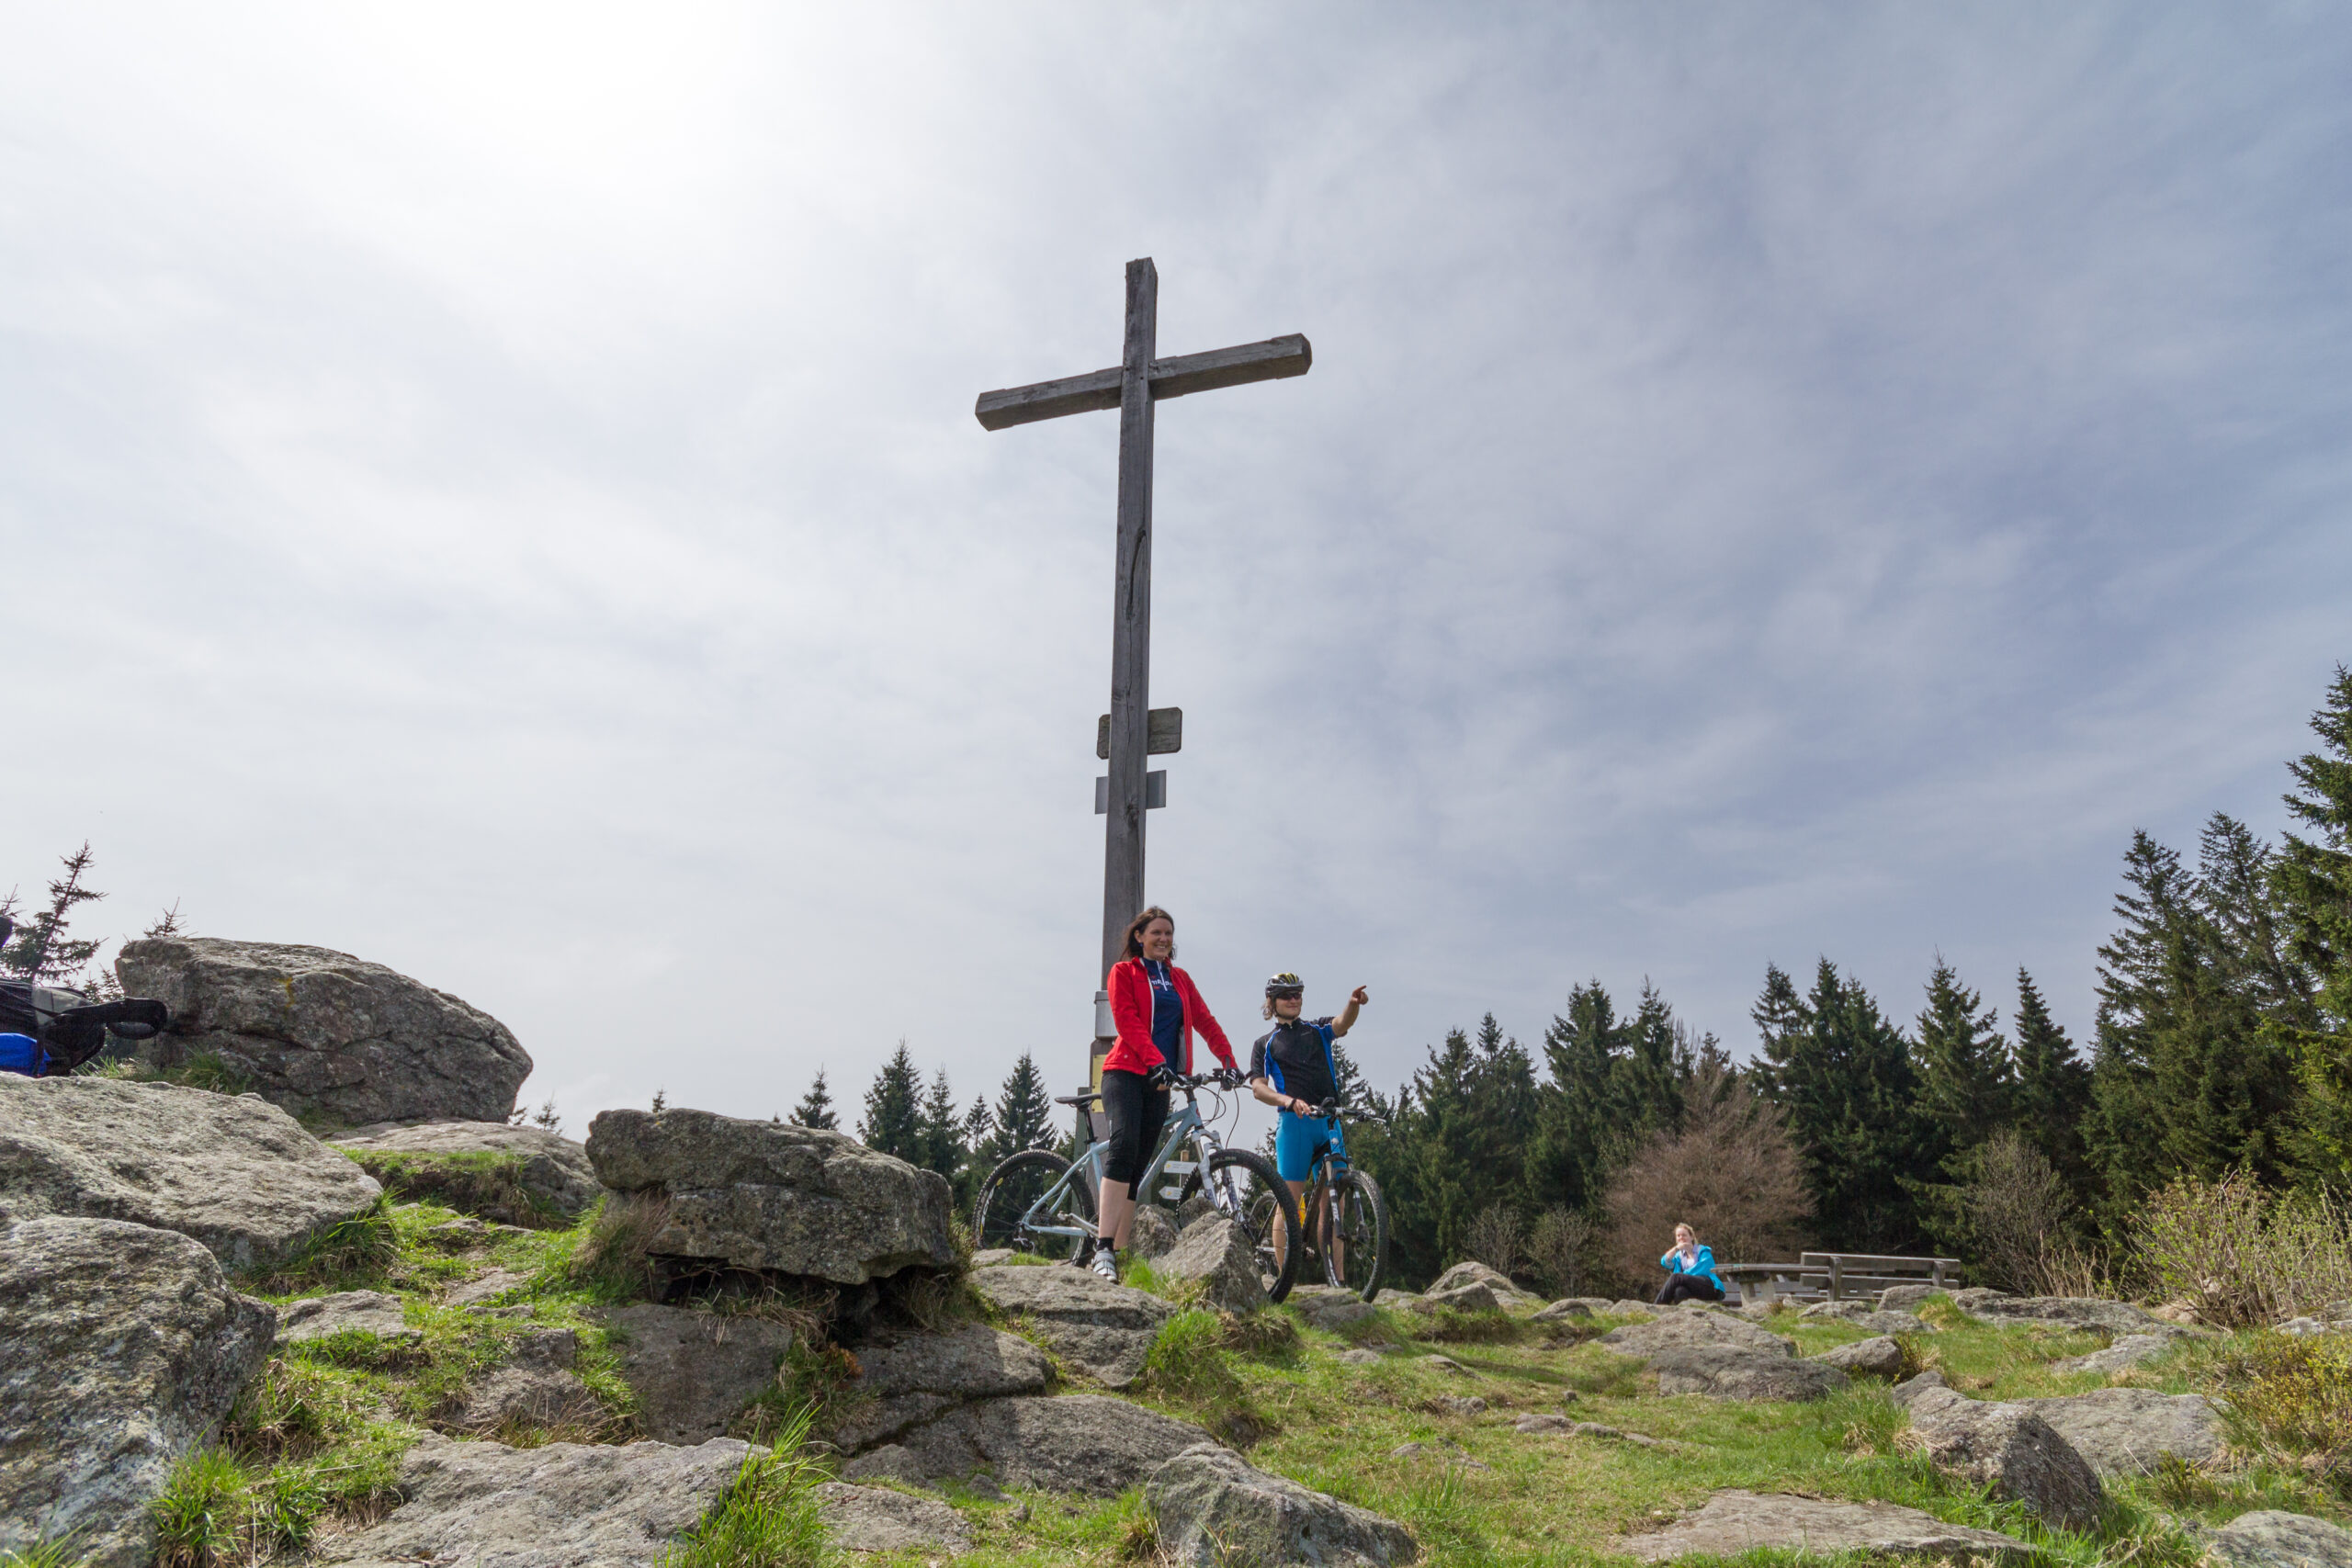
482 1182
767 1517
44 1554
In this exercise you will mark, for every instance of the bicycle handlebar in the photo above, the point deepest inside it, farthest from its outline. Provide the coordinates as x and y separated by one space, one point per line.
1189 1082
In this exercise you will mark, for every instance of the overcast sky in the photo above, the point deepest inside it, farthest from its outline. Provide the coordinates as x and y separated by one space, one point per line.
494 490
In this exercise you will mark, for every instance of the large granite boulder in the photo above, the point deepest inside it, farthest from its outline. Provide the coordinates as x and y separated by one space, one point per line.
121 1348
1218 1254
1216 1510
1725 1371
519 1174
1085 1443
1734 1521
562 1505
874 1519
324 1033
1877 1358
1685 1330
910 1379
1329 1307
2126 1431
1102 1329
692 1372
236 1173
2271 1538
2012 1450
1473 1272
777 1198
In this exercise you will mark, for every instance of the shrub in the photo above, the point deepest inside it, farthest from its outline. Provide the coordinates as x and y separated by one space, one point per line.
1733 1174
2243 1256
2018 1218
1496 1238
2294 1397
1559 1250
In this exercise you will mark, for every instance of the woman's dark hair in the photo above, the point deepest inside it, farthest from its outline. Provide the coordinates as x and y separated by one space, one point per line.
1134 945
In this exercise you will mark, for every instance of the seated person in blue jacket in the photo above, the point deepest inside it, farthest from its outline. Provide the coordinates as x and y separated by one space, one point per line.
1690 1270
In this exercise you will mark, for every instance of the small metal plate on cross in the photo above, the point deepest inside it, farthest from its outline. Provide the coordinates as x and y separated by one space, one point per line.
1166 731
1155 791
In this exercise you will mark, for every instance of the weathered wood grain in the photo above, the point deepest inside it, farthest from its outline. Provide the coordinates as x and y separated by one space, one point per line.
1271 360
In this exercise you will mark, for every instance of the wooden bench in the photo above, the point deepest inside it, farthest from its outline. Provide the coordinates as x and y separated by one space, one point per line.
1836 1275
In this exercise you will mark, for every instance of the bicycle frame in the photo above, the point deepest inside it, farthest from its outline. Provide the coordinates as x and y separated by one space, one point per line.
1087 1166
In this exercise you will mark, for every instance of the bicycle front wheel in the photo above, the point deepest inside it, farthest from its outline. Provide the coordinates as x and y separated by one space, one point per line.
1008 1215
1245 1187
1352 1232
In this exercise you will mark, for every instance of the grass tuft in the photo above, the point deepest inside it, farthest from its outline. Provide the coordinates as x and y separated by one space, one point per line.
199 1519
44 1553
353 1254
615 1262
768 1516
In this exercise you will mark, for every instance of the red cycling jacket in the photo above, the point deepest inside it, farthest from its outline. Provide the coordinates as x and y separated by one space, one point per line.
1130 990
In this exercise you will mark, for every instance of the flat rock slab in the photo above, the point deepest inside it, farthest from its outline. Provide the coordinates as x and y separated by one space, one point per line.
1104 1330
2127 1351
1360 1357
1219 1255
1725 1371
1686 1330
368 1312
563 1506
1862 1314
2070 1311
236 1172
2124 1431
1085 1443
692 1372
914 1378
2271 1538
320 1032
534 1387
484 1286
1879 1358
121 1348
553 1171
1216 1510
773 1197
1329 1307
874 1519
1734 1521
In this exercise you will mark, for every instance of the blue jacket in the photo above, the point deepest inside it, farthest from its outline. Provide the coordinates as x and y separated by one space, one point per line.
1704 1269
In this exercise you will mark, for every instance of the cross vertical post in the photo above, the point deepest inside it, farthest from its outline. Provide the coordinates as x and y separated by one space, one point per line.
1123 848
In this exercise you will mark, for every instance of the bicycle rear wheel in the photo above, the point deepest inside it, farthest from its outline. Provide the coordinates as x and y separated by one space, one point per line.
1005 1214
1245 1187
1352 1232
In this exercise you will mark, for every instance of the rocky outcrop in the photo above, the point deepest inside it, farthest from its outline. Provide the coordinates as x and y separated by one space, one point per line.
2012 1450
1467 1273
1220 1256
1684 1330
1152 1234
1722 1371
2072 1311
1215 1509
692 1372
1862 1314
562 1506
1734 1522
322 1032
771 1197
1878 1357
2271 1538
1906 1298
1572 1310
234 1172
364 1312
121 1348
1329 1307
1081 1442
874 1519
1470 1295
464 1165
2125 1431
914 1378
1102 1329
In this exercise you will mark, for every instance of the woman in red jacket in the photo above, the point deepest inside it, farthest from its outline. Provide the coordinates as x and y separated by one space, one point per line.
1156 1010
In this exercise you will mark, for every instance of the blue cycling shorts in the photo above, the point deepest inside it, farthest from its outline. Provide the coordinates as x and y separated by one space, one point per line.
1299 1142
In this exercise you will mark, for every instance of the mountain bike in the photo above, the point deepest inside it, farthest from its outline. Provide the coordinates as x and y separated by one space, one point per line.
1039 1203
1345 1220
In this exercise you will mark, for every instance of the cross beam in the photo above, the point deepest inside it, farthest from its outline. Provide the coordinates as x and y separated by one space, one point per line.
1133 386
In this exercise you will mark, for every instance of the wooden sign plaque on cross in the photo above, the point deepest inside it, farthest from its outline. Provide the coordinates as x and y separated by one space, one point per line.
1133 386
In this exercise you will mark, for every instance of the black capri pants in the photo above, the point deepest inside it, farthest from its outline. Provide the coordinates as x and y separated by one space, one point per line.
1138 1113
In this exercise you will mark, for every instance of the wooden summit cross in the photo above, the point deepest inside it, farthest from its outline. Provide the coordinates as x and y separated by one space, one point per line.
1132 387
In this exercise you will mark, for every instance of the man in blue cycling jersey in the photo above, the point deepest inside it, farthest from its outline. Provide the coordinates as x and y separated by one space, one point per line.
1290 1069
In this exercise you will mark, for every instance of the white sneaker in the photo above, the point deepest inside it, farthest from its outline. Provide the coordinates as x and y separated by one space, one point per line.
1106 1262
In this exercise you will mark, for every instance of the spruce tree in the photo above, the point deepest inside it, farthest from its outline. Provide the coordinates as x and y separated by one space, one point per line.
2312 880
816 1107
1843 1074
1577 1137
2053 1087
1966 1079
939 1141
1025 1114
893 1120
1653 1071
41 952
